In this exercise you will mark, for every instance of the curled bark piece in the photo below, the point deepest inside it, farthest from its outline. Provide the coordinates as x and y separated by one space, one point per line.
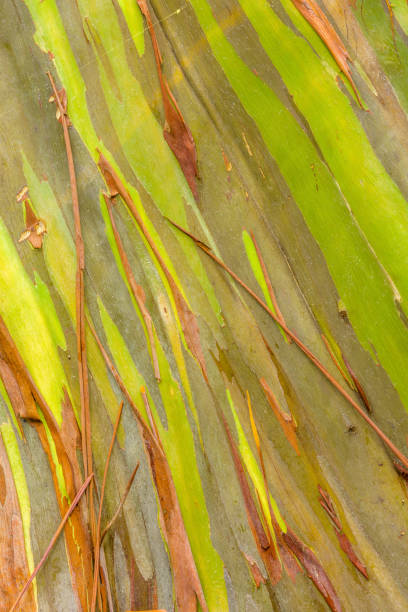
314 15
313 569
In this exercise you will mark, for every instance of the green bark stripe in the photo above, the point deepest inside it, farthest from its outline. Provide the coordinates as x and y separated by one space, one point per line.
138 130
375 200
31 326
359 278
178 444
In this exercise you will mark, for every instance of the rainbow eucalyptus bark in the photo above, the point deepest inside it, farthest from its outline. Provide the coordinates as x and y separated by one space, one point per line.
234 268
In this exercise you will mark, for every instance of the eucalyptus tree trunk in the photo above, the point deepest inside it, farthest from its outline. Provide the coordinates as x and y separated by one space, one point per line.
266 411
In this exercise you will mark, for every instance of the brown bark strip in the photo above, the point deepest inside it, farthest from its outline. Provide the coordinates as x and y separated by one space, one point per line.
187 583
327 505
358 385
401 470
14 391
345 544
347 548
98 526
14 570
176 133
285 420
265 546
60 99
314 15
268 282
302 347
136 289
336 362
313 569
121 503
255 571
187 318
35 228
24 396
54 538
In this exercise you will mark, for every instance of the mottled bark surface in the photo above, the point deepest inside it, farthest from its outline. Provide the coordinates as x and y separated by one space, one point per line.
299 188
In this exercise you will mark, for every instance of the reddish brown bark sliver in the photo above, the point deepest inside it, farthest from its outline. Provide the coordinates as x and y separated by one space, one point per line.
313 569
314 15
176 133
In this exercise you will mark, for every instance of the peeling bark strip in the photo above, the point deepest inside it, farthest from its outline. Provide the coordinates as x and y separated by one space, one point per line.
255 571
24 397
176 133
358 385
136 289
268 283
314 15
313 569
345 544
60 99
35 228
401 470
302 347
54 538
264 543
14 570
98 526
187 585
121 503
187 318
285 420
288 543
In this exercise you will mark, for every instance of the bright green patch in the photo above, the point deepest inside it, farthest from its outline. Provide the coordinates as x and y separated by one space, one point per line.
135 24
30 325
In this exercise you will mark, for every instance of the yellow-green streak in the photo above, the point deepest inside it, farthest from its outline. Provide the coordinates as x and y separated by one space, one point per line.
30 325
164 309
258 272
254 472
134 22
